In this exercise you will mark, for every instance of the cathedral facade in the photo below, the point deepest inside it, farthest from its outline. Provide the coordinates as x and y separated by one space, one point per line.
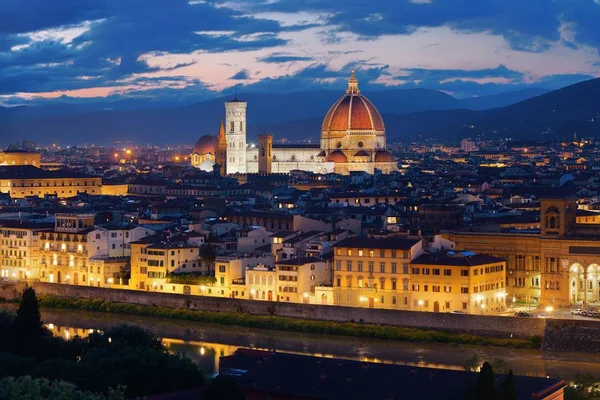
352 139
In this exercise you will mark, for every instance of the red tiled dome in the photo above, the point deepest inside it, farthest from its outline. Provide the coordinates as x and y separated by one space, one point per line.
336 157
384 156
353 112
206 144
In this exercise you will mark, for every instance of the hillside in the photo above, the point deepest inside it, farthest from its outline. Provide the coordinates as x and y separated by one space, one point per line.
408 114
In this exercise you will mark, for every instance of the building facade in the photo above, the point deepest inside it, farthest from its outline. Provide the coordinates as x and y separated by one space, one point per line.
558 267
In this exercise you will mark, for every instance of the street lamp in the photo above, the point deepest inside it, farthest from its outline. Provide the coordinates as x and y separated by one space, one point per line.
421 302
549 310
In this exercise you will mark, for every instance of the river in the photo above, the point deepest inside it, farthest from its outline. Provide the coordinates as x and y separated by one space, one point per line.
205 343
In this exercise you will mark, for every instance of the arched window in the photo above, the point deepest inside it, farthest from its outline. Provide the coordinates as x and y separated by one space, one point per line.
552 223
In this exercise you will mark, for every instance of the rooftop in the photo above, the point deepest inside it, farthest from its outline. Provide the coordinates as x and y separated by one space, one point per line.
395 243
455 258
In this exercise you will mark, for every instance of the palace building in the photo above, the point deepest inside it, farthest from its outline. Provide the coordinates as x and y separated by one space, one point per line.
558 267
352 139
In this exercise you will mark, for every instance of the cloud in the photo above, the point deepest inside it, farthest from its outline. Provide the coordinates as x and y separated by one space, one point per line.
284 58
241 75
99 47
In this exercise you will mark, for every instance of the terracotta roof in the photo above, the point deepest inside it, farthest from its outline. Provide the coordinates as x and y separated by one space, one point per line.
337 156
206 144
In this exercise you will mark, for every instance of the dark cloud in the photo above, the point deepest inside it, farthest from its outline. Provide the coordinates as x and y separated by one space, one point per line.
241 75
120 31
284 58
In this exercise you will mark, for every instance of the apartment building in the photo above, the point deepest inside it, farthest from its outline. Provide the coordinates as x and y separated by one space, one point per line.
230 272
458 281
372 272
20 249
108 241
63 250
298 277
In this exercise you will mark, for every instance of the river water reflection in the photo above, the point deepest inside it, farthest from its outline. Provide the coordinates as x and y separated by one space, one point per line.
205 343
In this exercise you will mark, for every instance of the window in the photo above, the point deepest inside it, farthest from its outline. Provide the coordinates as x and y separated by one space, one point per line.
551 264
464 305
447 289
393 284
360 266
425 271
349 252
415 271
393 253
535 263
371 253
382 267
447 305
222 268
436 271
447 272
520 262
360 253
435 288
371 267
464 272
415 287
394 266
349 265
338 265
426 288
405 284
381 253
360 281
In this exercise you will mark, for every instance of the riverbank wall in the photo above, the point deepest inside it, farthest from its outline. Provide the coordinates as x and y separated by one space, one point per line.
572 335
490 326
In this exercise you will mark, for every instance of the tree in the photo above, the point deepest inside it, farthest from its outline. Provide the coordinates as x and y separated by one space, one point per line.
484 389
26 387
207 253
584 387
472 363
508 391
500 366
27 328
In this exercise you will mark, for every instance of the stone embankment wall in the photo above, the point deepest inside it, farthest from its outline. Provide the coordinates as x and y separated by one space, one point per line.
572 335
502 327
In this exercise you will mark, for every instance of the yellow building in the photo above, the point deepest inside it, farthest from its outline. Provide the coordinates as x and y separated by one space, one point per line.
374 272
558 267
20 249
230 273
20 157
63 250
27 180
152 261
458 281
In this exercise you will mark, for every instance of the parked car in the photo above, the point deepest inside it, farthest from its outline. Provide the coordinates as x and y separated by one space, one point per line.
542 316
522 314
576 311
457 312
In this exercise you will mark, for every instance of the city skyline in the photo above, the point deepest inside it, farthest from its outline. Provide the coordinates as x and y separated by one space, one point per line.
201 49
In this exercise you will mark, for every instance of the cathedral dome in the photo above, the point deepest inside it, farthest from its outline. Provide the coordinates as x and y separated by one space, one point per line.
384 156
352 112
206 144
336 157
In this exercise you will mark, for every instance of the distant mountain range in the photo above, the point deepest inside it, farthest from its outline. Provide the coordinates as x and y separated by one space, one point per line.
408 115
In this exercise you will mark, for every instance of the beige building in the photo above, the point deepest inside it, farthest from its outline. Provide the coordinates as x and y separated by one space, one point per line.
20 249
27 180
20 157
298 277
63 250
230 273
458 281
374 272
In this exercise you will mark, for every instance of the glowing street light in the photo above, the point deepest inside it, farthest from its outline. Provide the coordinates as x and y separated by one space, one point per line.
421 302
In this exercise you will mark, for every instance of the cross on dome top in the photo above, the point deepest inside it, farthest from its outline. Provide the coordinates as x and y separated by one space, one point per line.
353 84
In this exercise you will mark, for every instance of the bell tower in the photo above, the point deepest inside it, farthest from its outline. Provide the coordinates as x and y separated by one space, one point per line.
221 156
265 157
235 133
558 216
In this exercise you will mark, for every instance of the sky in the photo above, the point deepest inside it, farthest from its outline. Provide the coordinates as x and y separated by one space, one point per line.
177 49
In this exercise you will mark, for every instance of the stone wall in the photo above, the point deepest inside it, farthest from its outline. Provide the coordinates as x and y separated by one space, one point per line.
572 335
503 327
